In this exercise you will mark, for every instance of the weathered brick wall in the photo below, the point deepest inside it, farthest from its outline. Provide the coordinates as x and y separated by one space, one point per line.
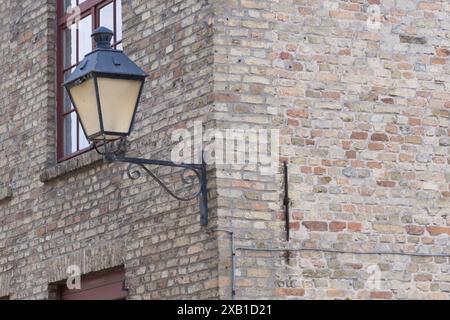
364 120
26 96
84 212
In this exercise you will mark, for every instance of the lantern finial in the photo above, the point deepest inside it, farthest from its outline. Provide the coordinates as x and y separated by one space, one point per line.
102 37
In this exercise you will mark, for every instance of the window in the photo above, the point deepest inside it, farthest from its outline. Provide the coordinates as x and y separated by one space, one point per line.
106 285
76 21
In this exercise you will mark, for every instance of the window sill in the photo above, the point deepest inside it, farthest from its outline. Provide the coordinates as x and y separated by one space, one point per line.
61 169
5 193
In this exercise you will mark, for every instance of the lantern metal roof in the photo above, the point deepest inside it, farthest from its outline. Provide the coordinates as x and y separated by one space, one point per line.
105 60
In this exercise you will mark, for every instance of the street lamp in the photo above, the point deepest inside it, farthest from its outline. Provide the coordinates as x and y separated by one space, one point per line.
105 90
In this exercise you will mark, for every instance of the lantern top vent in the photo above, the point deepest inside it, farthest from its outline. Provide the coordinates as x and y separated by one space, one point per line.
103 37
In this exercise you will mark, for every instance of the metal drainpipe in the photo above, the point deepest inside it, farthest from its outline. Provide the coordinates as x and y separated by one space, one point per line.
287 202
233 261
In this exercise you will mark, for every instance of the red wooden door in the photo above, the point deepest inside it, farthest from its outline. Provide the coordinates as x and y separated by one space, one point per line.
101 286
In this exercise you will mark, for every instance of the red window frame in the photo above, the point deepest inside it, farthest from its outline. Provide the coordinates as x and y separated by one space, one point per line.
86 8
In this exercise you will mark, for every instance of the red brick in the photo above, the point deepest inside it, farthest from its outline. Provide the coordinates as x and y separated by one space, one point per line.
390 128
40 232
423 277
286 56
380 137
295 226
316 225
331 95
438 61
346 145
388 100
337 226
335 293
384 295
297 66
414 122
415 230
357 164
359 135
341 14
345 52
297 215
290 292
319 171
259 206
351 6
406 157
349 208
292 47
404 66
306 170
226 97
430 5
376 146
442 52
350 154
386 184
305 11
355 226
374 165
298 113
436 231
242 184
355 266
25 36
20 216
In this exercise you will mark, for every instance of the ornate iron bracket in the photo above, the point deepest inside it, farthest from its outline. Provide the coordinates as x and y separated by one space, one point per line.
199 170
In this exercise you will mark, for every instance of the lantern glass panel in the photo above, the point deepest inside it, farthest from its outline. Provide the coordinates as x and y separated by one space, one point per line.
118 101
85 101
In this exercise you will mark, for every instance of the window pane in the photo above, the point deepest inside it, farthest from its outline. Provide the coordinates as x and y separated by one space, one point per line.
70 46
68 4
107 16
70 134
85 32
67 103
119 20
84 143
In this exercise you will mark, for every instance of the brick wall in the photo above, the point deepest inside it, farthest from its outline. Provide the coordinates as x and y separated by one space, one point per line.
363 113
84 212
362 109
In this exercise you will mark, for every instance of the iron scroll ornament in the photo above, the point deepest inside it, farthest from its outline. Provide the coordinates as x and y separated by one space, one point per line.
200 171
135 174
